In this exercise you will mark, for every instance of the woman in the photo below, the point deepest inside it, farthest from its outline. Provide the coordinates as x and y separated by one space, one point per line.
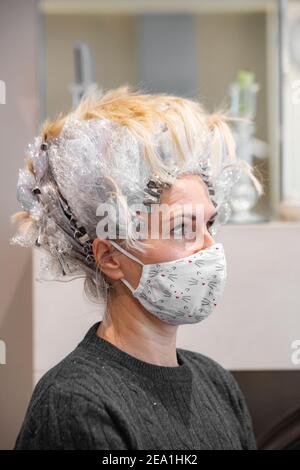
92 196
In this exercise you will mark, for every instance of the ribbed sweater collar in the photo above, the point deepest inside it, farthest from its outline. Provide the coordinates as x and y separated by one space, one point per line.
105 349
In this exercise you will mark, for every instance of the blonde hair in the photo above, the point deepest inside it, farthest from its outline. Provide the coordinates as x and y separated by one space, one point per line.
139 113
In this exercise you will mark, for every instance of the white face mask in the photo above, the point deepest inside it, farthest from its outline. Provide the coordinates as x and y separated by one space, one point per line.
185 290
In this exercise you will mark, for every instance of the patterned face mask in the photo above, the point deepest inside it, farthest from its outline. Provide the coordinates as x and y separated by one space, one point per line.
182 291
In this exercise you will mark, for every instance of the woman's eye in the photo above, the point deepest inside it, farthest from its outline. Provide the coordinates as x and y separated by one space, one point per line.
183 230
179 229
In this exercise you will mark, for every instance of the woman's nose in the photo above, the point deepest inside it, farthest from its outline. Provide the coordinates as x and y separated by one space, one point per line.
208 241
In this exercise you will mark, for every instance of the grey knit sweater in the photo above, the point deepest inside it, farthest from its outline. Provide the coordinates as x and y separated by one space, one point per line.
100 397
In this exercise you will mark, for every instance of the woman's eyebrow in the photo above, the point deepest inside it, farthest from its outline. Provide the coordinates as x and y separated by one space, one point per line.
193 216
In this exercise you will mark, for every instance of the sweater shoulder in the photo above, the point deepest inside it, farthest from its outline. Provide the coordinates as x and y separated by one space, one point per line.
75 374
201 360
206 368
222 383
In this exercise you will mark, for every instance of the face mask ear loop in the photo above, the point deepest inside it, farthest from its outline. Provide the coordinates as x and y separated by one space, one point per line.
128 285
126 252
129 256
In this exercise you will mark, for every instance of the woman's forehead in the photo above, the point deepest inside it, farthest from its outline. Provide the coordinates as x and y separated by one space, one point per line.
188 189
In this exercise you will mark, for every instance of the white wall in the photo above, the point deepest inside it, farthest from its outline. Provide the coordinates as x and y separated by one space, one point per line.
18 123
292 112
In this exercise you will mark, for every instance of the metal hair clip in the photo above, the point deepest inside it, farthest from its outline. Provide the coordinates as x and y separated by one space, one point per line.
155 186
80 232
86 241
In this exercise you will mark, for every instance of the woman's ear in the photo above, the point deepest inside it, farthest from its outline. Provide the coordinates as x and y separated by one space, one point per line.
107 261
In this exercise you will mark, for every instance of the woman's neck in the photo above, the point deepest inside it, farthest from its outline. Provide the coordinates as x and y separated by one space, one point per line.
131 328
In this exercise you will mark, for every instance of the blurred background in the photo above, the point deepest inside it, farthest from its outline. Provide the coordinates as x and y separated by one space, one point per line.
241 55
